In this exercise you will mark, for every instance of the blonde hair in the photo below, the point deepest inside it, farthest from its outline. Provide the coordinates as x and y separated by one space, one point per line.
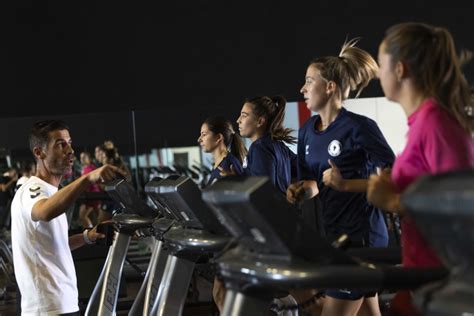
352 70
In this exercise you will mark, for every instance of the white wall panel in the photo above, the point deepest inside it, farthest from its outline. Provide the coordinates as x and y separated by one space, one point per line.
393 123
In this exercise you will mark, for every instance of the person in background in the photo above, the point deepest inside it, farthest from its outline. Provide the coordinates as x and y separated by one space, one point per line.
218 137
89 206
99 155
420 70
112 158
28 171
261 120
228 151
7 184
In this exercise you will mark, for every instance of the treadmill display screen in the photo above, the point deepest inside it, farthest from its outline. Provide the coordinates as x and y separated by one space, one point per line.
182 197
259 216
124 194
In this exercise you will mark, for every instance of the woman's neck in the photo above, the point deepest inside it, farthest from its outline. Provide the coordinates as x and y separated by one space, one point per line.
328 114
219 154
258 134
411 100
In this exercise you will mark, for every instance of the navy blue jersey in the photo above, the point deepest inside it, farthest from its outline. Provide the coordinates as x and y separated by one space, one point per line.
225 164
356 145
271 158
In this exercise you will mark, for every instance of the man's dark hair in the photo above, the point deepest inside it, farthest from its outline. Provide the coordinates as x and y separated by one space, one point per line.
39 135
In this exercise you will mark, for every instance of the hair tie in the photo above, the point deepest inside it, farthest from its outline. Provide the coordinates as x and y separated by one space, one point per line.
275 102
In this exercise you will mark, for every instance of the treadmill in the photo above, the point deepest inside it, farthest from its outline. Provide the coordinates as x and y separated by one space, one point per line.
197 236
279 251
442 207
135 215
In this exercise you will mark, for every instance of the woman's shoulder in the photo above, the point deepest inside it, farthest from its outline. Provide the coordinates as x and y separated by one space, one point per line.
90 167
358 120
261 147
230 159
433 119
432 111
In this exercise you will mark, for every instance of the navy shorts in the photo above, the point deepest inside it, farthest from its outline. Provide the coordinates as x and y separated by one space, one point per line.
371 239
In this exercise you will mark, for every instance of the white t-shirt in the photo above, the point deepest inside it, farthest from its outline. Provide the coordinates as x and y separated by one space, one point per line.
21 181
44 268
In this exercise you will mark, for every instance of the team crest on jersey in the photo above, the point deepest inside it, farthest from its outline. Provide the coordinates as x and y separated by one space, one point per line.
244 163
334 148
306 150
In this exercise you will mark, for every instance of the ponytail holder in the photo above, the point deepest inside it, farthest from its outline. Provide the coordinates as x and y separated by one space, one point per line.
275 101
469 110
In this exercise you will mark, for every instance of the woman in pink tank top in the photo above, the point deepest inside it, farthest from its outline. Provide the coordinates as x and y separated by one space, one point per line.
420 70
91 206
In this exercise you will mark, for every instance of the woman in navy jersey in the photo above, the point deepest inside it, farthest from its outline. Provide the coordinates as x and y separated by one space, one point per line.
337 151
261 120
228 151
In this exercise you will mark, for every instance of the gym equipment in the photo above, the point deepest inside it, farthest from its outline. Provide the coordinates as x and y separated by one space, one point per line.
181 199
147 295
279 251
135 215
199 236
442 206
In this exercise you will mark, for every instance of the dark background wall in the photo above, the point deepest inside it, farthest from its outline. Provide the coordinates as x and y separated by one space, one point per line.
176 63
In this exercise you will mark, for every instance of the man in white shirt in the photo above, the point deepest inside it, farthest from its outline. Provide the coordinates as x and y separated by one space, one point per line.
42 258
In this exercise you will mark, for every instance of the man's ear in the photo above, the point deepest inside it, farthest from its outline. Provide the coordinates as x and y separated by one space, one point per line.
39 153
